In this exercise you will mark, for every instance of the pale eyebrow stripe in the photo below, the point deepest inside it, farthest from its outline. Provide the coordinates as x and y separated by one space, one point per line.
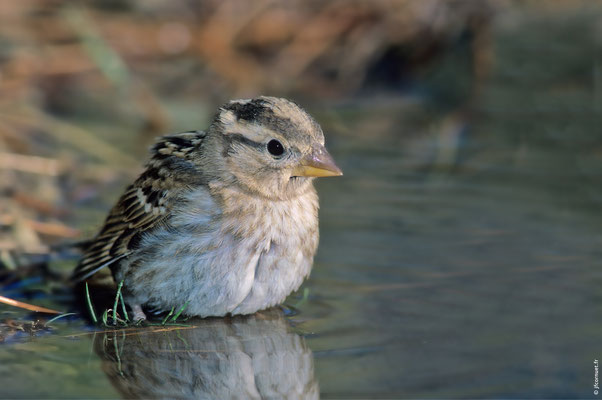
243 139
254 131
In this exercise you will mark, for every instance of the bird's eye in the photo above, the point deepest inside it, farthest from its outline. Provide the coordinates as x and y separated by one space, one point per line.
275 147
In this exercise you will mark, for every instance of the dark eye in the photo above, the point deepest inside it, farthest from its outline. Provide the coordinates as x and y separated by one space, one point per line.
275 147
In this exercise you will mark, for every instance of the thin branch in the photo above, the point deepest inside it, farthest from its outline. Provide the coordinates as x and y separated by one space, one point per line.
26 306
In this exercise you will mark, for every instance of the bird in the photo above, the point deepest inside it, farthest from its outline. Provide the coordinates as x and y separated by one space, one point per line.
222 221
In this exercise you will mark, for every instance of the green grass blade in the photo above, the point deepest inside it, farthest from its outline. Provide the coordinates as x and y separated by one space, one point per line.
116 301
59 317
303 298
180 311
90 307
125 313
167 316
105 317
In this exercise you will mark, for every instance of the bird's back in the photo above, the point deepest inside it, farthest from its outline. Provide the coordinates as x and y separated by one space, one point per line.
145 204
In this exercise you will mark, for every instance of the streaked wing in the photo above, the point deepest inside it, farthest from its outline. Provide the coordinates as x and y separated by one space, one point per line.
145 204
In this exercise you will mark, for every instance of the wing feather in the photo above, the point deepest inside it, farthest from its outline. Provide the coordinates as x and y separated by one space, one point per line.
145 205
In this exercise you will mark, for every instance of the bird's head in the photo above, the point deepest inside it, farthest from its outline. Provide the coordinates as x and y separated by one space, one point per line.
270 147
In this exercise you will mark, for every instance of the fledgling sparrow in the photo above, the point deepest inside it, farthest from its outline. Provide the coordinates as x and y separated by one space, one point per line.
225 221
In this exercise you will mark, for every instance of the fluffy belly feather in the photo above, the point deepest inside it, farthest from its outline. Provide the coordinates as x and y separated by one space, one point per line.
221 271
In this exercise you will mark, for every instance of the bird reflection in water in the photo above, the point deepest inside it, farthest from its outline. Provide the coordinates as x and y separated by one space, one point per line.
247 357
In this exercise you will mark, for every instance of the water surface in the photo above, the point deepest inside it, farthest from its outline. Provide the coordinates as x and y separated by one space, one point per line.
459 254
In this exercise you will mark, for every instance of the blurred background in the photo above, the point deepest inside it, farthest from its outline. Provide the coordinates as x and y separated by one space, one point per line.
459 253
86 87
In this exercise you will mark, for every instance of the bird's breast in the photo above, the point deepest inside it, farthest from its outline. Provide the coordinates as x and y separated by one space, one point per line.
230 254
285 236
264 222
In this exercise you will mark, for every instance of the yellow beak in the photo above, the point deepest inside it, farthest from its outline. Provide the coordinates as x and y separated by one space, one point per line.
317 163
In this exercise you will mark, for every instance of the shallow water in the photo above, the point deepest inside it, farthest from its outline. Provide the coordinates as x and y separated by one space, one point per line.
459 256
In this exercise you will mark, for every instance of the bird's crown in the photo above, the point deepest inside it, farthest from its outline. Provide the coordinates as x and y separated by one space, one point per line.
266 116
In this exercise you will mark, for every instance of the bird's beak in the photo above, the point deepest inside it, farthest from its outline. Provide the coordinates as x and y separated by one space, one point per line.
317 163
